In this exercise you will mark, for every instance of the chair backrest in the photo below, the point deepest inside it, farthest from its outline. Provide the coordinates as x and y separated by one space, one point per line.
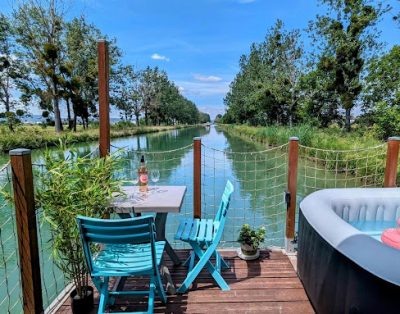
225 199
136 230
220 218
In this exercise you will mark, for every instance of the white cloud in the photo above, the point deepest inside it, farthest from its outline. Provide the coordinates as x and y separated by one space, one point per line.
156 56
205 78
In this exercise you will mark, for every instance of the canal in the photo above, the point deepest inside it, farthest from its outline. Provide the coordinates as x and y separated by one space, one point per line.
259 175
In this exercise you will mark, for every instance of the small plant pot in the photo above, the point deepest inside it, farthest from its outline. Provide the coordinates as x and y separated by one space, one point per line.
248 252
82 305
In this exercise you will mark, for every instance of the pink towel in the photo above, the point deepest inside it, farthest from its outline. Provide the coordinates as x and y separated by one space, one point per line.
391 237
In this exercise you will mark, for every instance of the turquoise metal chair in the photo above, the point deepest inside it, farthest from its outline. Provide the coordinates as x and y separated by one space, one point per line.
204 235
129 248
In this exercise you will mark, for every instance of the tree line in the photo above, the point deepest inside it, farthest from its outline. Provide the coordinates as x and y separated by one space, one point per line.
280 82
149 93
50 62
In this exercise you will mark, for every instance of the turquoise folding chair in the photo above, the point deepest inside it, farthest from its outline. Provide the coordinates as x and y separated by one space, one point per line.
204 235
129 249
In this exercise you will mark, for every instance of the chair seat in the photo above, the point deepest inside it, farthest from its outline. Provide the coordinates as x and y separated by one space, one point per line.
204 235
197 230
126 259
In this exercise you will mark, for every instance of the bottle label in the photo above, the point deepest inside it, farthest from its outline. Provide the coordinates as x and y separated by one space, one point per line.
143 178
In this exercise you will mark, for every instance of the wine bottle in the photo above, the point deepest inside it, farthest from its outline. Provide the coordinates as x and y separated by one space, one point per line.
143 176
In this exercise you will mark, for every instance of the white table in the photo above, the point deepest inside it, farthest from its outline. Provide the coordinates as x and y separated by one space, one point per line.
160 200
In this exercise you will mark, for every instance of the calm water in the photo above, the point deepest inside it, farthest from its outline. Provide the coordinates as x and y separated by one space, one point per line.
258 174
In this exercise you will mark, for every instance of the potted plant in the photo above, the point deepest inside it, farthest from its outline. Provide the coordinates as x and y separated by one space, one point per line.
68 187
250 240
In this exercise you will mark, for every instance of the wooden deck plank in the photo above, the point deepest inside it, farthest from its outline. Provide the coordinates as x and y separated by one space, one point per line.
268 285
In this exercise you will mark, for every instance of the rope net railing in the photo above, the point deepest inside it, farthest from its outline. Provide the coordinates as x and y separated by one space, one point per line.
10 292
259 179
322 168
53 279
174 167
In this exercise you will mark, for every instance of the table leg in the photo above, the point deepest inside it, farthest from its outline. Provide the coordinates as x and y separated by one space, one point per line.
170 287
161 219
128 215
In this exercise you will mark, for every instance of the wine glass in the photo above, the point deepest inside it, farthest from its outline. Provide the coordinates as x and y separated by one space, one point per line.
155 175
132 179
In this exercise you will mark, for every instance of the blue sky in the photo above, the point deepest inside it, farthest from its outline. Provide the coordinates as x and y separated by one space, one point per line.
199 42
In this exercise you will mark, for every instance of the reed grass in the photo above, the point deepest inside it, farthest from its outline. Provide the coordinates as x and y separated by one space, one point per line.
35 136
329 138
333 148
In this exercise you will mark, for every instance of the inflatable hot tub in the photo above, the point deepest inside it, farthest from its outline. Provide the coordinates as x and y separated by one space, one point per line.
344 266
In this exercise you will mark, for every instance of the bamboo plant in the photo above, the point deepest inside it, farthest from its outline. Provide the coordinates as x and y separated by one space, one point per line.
73 186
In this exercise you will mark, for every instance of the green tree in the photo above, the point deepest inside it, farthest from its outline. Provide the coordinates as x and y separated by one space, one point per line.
11 72
218 118
265 91
204 117
288 71
382 92
80 88
171 103
165 93
319 101
346 36
148 90
81 59
126 93
150 93
39 26
383 80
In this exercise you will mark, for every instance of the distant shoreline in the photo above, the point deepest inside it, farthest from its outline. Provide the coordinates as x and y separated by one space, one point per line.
35 137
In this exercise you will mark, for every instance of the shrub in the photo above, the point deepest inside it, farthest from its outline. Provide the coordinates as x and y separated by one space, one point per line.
251 236
73 186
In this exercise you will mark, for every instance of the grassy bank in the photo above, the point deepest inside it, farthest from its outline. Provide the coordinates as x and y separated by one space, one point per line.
330 138
331 149
33 136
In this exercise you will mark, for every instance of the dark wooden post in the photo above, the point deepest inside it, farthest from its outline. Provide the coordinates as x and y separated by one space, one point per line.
104 98
24 200
197 177
392 157
292 189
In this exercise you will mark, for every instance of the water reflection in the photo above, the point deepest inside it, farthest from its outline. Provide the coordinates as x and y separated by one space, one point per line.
259 180
259 176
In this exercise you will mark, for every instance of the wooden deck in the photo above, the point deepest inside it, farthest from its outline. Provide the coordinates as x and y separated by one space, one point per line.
268 285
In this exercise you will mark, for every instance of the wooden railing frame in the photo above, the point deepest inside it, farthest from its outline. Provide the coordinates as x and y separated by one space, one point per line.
392 158
22 177
25 213
197 177
293 159
104 98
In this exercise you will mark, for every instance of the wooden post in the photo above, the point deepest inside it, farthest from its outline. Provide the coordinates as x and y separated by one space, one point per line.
104 98
197 177
292 189
392 157
22 180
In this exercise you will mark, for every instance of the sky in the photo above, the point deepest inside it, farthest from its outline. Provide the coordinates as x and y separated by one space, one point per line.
199 42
